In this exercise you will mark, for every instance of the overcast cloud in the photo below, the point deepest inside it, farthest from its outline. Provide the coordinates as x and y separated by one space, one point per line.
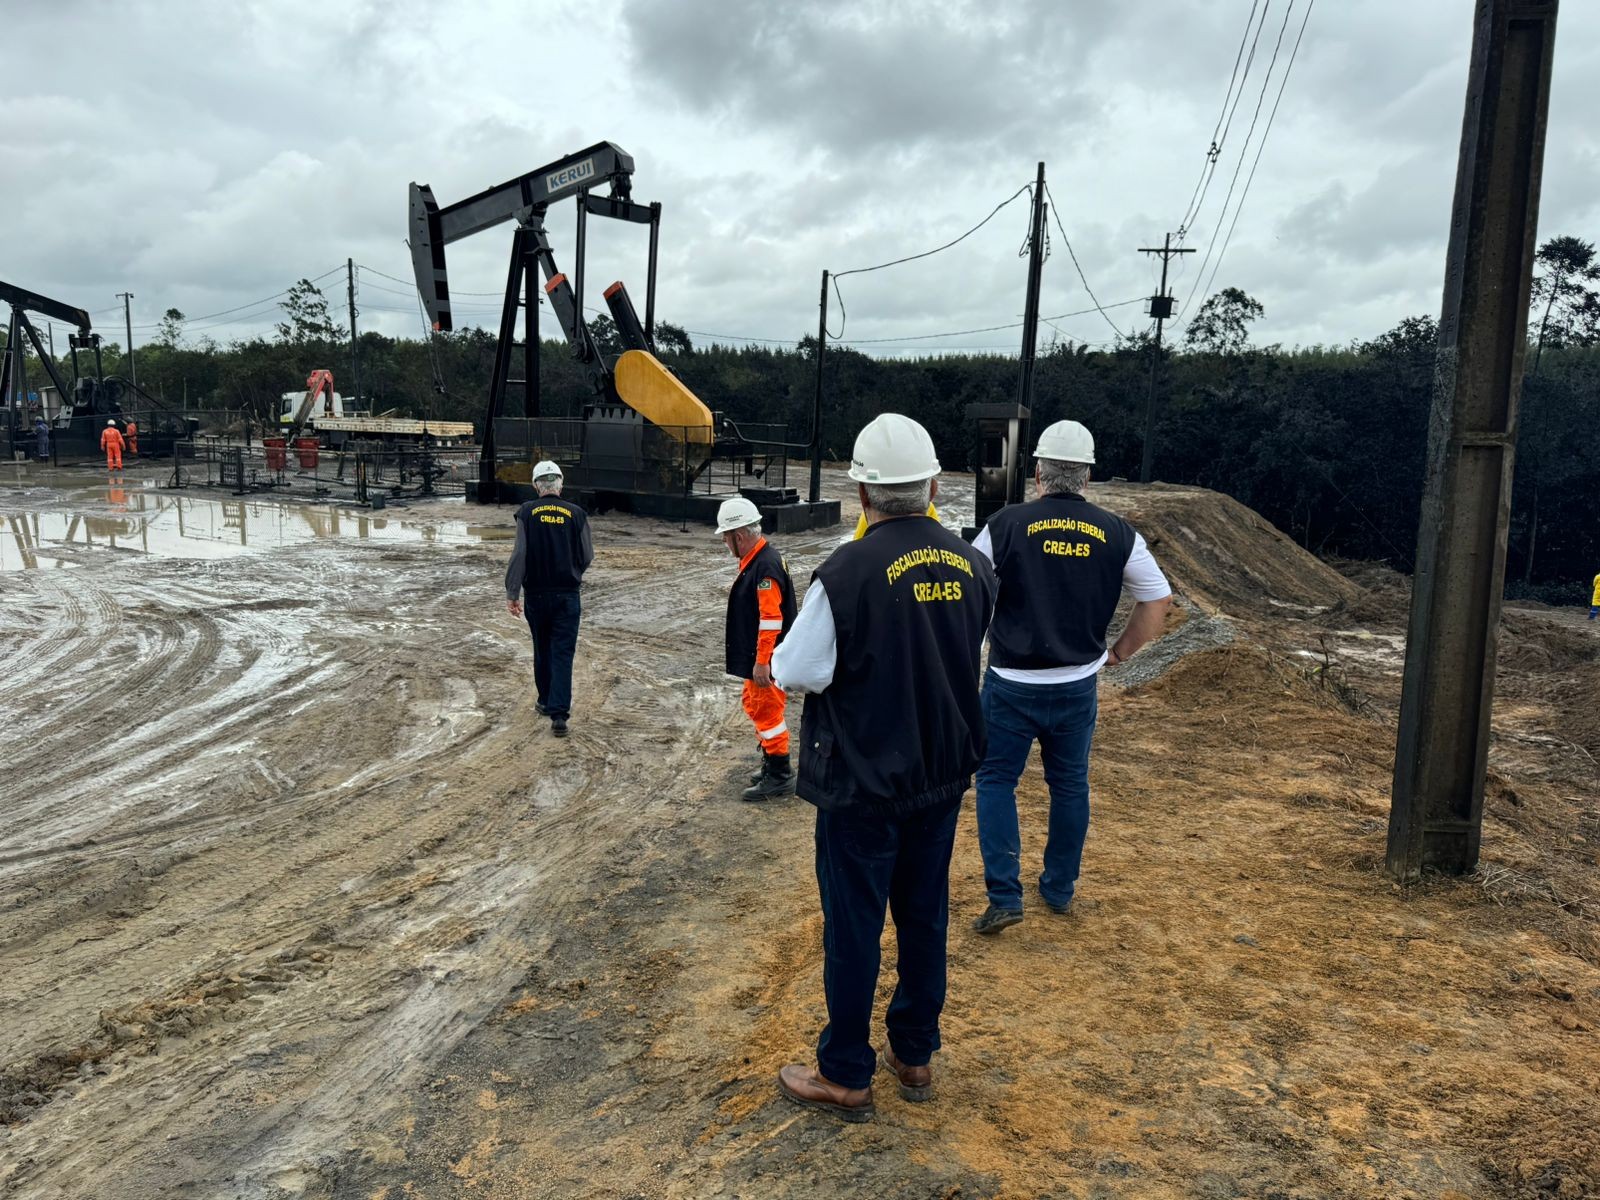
206 156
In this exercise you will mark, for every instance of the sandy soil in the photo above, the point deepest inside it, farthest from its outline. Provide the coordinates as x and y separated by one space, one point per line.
298 899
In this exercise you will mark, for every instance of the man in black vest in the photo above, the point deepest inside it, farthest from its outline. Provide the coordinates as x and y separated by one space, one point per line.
1062 564
553 550
760 610
887 647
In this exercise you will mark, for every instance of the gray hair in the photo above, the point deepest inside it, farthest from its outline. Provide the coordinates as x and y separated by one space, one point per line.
546 484
900 499
1057 477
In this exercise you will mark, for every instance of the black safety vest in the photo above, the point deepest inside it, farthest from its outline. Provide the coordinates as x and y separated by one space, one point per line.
765 569
900 727
1060 561
554 530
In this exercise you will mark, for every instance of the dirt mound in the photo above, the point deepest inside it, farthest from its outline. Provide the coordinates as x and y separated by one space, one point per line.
1219 552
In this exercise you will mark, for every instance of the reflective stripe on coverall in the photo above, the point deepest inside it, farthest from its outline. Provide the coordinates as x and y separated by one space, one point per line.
111 443
764 705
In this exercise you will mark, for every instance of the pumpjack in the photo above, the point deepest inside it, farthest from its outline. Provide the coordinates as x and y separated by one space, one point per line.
644 437
75 429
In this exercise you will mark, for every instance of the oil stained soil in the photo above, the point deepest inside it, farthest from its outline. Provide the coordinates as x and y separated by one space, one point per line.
299 898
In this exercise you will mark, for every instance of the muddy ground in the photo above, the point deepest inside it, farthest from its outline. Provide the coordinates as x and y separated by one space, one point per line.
297 898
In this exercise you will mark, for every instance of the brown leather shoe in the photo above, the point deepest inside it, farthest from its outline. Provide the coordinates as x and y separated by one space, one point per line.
808 1086
916 1083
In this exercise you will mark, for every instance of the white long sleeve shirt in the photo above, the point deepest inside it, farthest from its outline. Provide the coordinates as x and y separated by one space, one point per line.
804 661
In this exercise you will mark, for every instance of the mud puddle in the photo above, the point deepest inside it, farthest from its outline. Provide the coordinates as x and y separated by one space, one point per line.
147 521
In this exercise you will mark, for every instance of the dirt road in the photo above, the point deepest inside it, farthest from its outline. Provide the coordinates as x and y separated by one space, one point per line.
298 899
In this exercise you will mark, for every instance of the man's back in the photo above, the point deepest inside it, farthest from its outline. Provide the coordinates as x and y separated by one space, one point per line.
1060 563
899 727
555 533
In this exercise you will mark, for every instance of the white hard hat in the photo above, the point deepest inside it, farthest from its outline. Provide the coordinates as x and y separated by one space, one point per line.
110 422
892 448
737 514
1066 441
546 470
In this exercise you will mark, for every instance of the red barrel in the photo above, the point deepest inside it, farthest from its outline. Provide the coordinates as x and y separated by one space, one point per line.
277 455
307 448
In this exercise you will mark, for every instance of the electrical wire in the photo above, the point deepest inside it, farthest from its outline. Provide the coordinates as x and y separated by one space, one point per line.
1262 145
411 284
838 275
1233 183
1209 167
1055 211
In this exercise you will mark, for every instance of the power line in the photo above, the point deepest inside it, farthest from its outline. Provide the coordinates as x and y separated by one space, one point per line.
1055 211
921 337
411 284
1208 168
1265 83
253 304
1261 146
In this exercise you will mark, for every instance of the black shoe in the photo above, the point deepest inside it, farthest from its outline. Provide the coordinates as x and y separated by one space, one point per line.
761 773
995 919
777 780
558 726
1060 910
538 707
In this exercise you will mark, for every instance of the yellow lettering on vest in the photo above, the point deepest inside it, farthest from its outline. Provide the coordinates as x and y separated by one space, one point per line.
548 520
927 556
1066 525
1068 549
944 590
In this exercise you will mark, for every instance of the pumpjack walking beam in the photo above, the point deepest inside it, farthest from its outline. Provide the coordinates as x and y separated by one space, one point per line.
1436 818
526 200
22 303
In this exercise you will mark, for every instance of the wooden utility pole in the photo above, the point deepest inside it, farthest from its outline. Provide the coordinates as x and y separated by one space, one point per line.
127 317
1436 818
355 355
1160 309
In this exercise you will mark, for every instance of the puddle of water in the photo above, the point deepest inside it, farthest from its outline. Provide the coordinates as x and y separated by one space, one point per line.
184 527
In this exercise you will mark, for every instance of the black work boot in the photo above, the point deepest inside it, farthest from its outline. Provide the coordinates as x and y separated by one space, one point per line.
778 780
995 919
760 772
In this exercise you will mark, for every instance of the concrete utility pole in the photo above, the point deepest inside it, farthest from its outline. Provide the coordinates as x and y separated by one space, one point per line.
1436 819
355 358
127 317
1160 309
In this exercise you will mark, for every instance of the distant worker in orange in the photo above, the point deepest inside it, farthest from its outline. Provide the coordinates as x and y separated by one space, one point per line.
131 432
761 608
111 443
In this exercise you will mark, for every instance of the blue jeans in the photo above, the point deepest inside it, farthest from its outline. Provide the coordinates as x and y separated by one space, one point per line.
1060 717
1593 608
866 861
553 621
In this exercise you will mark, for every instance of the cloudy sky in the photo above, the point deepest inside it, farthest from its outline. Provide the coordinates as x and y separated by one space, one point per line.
205 156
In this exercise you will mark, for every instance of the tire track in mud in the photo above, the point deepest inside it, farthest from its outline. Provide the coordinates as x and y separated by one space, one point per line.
403 810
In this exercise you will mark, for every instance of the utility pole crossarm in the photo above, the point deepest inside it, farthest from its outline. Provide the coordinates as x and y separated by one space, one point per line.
1160 309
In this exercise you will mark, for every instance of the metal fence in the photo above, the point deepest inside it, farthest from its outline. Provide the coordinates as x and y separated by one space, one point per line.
620 451
361 472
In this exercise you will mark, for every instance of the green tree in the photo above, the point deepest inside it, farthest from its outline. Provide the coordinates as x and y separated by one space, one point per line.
308 319
170 332
1565 278
1222 326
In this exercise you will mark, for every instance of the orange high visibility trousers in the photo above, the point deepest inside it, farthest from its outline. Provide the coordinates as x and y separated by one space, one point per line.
764 706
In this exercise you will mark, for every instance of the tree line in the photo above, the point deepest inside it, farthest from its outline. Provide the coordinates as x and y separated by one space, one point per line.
1328 443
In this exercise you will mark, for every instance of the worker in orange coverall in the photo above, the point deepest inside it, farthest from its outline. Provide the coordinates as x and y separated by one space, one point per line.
131 432
111 443
761 608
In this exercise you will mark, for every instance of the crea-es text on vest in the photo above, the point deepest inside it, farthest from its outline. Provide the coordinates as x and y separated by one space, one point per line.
550 514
